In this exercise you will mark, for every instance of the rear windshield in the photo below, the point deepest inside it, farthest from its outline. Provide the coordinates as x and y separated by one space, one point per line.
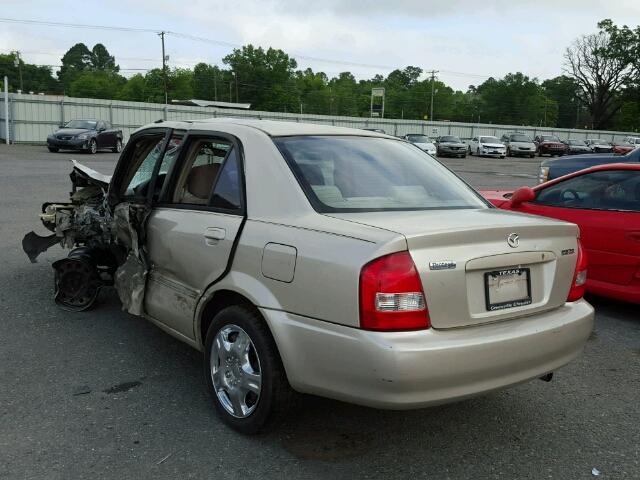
418 138
366 174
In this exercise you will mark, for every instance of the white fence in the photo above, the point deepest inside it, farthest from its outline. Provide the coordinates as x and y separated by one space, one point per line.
33 117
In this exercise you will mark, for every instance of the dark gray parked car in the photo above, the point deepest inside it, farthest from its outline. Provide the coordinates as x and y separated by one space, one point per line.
85 135
449 145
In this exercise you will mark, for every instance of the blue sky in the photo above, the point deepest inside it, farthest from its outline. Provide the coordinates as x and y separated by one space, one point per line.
466 40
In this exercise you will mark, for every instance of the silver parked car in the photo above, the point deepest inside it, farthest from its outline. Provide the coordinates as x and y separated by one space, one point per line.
519 145
323 260
599 146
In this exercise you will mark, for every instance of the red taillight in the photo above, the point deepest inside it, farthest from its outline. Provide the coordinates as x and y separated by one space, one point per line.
579 282
391 296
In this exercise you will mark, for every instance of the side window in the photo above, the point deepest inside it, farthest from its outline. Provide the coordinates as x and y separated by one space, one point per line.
607 190
168 159
107 125
142 161
100 126
202 165
227 193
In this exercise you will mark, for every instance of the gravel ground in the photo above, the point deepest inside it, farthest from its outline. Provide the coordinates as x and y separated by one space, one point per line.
103 394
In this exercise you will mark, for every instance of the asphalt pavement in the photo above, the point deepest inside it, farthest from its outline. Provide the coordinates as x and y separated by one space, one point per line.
102 394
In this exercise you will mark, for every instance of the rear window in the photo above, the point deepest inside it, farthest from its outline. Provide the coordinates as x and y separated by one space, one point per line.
365 174
418 138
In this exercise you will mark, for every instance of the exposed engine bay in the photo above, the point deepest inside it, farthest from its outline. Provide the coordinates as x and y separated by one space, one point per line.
105 242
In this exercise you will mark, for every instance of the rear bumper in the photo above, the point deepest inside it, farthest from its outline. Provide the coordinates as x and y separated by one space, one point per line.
403 370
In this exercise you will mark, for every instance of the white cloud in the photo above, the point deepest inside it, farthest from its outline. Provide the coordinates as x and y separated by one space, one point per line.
486 38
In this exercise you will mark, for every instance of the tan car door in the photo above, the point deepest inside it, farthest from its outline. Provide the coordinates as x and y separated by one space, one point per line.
192 231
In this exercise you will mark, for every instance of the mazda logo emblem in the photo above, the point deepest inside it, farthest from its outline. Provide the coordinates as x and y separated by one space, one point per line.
513 240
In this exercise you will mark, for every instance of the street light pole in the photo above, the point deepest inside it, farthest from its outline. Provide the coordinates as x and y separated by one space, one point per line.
18 64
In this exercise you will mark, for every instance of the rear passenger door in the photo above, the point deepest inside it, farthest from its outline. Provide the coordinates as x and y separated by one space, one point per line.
191 232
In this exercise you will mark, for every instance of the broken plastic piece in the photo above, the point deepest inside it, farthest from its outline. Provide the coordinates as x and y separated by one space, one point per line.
34 244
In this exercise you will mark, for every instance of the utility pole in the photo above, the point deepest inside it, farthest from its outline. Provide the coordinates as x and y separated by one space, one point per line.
215 84
236 77
18 64
545 111
433 80
164 69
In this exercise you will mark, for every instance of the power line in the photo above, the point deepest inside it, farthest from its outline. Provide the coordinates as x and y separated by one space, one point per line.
46 23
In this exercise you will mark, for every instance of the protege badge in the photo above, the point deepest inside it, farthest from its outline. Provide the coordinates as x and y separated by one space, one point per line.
443 265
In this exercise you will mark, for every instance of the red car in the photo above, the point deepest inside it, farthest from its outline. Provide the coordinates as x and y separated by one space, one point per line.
623 148
549 145
605 203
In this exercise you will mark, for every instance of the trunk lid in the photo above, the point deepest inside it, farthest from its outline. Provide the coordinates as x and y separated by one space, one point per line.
458 253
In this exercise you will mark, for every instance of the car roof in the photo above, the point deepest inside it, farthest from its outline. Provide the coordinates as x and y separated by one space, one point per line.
274 128
596 168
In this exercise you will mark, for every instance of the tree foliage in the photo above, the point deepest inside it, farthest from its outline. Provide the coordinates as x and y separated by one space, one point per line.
601 88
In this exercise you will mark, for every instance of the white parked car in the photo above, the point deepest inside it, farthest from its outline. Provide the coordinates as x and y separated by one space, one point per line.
487 146
635 141
323 260
598 145
422 141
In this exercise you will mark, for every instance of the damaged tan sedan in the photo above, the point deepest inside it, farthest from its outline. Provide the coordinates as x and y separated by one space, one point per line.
322 260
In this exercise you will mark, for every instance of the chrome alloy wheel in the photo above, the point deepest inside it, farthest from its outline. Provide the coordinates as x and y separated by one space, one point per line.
235 371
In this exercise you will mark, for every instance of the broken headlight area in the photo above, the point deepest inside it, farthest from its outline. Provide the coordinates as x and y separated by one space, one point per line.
105 243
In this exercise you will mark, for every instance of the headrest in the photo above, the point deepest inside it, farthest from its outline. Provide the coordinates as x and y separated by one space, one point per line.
200 180
312 173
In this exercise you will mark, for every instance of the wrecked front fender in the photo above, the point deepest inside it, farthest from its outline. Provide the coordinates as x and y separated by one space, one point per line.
107 244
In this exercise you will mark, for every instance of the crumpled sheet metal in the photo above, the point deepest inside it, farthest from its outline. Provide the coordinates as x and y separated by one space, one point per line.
130 282
131 277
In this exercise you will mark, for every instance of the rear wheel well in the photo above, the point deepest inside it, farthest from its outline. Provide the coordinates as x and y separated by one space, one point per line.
220 300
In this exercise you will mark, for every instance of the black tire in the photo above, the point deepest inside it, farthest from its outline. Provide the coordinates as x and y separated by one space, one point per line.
276 398
509 152
533 155
93 146
53 149
118 147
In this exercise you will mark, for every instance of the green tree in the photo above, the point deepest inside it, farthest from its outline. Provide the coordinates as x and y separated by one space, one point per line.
35 78
264 78
101 59
96 85
565 92
515 100
205 81
74 62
